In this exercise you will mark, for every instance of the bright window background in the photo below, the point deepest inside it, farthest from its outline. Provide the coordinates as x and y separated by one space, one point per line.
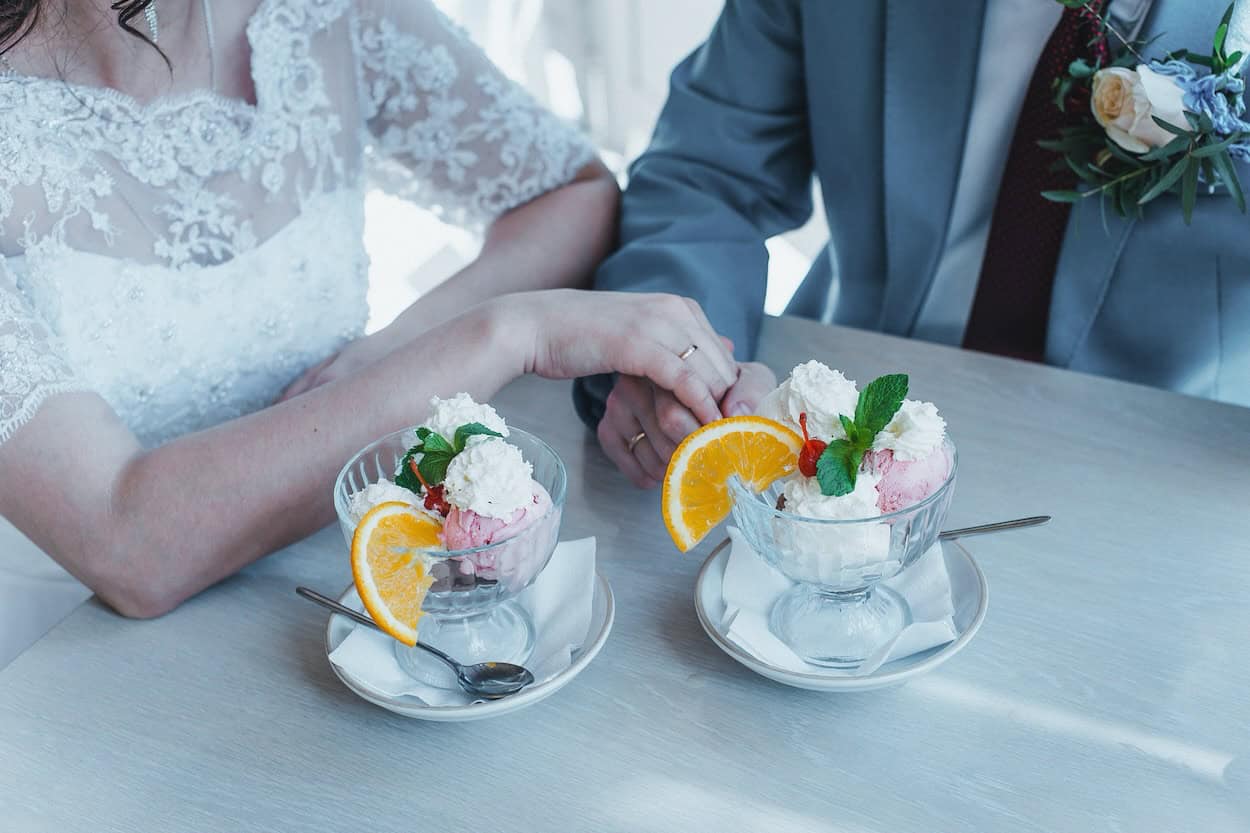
603 64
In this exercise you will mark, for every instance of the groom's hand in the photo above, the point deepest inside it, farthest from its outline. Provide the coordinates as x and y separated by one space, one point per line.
637 406
755 381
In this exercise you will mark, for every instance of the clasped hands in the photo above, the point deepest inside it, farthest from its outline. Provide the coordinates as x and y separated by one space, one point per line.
674 371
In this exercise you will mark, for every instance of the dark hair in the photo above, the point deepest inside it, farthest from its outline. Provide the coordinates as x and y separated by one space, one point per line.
18 18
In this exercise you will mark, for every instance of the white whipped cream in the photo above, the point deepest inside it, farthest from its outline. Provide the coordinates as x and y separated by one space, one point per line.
373 494
491 478
820 391
914 433
803 497
446 415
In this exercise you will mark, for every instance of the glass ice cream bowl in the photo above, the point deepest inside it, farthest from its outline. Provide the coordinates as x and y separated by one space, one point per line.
471 611
838 614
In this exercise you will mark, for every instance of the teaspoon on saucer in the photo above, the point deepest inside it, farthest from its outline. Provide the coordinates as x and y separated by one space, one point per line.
986 529
485 680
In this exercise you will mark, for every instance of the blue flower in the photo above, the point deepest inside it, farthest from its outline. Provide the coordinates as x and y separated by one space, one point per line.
1220 97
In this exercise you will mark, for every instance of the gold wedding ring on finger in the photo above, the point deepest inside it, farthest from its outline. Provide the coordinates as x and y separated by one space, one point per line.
688 352
634 440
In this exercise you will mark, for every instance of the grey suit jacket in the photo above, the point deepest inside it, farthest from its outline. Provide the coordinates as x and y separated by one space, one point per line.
873 99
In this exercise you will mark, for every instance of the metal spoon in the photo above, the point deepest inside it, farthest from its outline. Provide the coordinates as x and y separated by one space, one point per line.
485 680
986 529
951 534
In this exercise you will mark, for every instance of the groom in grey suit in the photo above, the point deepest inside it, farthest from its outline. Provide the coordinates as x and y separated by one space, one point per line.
910 113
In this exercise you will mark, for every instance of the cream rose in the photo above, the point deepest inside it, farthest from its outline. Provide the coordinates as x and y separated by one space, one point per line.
1124 101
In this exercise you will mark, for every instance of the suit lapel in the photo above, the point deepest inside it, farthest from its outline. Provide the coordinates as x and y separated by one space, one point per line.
1086 263
1089 256
930 68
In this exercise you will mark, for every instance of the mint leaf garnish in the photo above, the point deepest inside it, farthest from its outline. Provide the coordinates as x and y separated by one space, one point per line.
838 465
405 476
848 425
433 466
436 455
435 444
857 457
834 469
473 429
878 403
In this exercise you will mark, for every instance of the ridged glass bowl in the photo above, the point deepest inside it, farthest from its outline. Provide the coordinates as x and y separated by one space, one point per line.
836 615
471 610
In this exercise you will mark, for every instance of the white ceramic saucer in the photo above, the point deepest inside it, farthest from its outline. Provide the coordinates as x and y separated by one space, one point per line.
969 591
602 614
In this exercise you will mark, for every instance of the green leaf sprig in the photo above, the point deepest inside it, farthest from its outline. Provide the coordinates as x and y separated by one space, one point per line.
436 455
838 465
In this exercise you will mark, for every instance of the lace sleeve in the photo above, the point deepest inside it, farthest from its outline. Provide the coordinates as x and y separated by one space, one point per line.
446 128
32 362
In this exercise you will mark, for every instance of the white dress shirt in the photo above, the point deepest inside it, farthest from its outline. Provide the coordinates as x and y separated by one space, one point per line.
1013 35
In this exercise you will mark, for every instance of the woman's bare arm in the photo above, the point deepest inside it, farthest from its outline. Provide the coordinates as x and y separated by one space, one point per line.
146 529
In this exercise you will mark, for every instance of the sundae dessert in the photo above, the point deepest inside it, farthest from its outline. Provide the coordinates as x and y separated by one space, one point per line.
853 455
461 471
835 487
438 524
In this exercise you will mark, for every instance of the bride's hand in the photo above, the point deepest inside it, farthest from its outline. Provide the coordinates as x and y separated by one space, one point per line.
563 334
568 333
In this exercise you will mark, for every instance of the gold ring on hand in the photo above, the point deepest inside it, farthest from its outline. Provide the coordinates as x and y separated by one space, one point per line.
634 440
688 352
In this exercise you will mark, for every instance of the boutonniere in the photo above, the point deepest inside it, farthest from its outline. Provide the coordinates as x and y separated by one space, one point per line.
1152 126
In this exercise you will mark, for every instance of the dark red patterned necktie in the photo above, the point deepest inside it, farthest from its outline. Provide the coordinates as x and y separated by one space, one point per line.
1012 302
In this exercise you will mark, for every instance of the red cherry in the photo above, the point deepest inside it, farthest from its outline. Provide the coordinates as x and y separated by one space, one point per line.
434 499
811 451
808 456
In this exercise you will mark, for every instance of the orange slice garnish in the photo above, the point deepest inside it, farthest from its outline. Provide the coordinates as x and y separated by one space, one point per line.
390 574
696 486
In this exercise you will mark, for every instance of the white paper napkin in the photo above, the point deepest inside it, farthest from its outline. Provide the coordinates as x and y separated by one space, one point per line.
559 601
751 585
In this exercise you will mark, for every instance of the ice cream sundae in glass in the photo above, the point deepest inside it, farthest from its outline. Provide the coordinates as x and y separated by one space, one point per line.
865 495
447 522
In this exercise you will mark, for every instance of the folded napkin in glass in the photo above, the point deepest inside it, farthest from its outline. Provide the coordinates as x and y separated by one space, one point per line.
751 585
559 601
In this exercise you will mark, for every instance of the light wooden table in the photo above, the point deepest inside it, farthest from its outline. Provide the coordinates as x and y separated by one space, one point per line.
1109 689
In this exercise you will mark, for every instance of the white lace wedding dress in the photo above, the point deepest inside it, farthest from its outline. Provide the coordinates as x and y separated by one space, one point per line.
187 258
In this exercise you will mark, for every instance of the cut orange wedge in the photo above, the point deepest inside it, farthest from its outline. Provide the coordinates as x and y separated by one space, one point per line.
696 486
390 574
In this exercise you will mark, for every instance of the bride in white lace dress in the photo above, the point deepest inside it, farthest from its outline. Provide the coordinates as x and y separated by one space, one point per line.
182 242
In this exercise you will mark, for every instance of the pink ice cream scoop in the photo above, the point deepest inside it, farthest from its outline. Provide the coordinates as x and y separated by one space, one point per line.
907 482
465 529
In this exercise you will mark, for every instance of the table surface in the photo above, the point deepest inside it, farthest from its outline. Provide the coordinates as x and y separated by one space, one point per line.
1108 690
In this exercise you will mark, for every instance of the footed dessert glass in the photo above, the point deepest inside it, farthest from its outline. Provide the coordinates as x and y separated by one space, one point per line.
471 610
836 615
